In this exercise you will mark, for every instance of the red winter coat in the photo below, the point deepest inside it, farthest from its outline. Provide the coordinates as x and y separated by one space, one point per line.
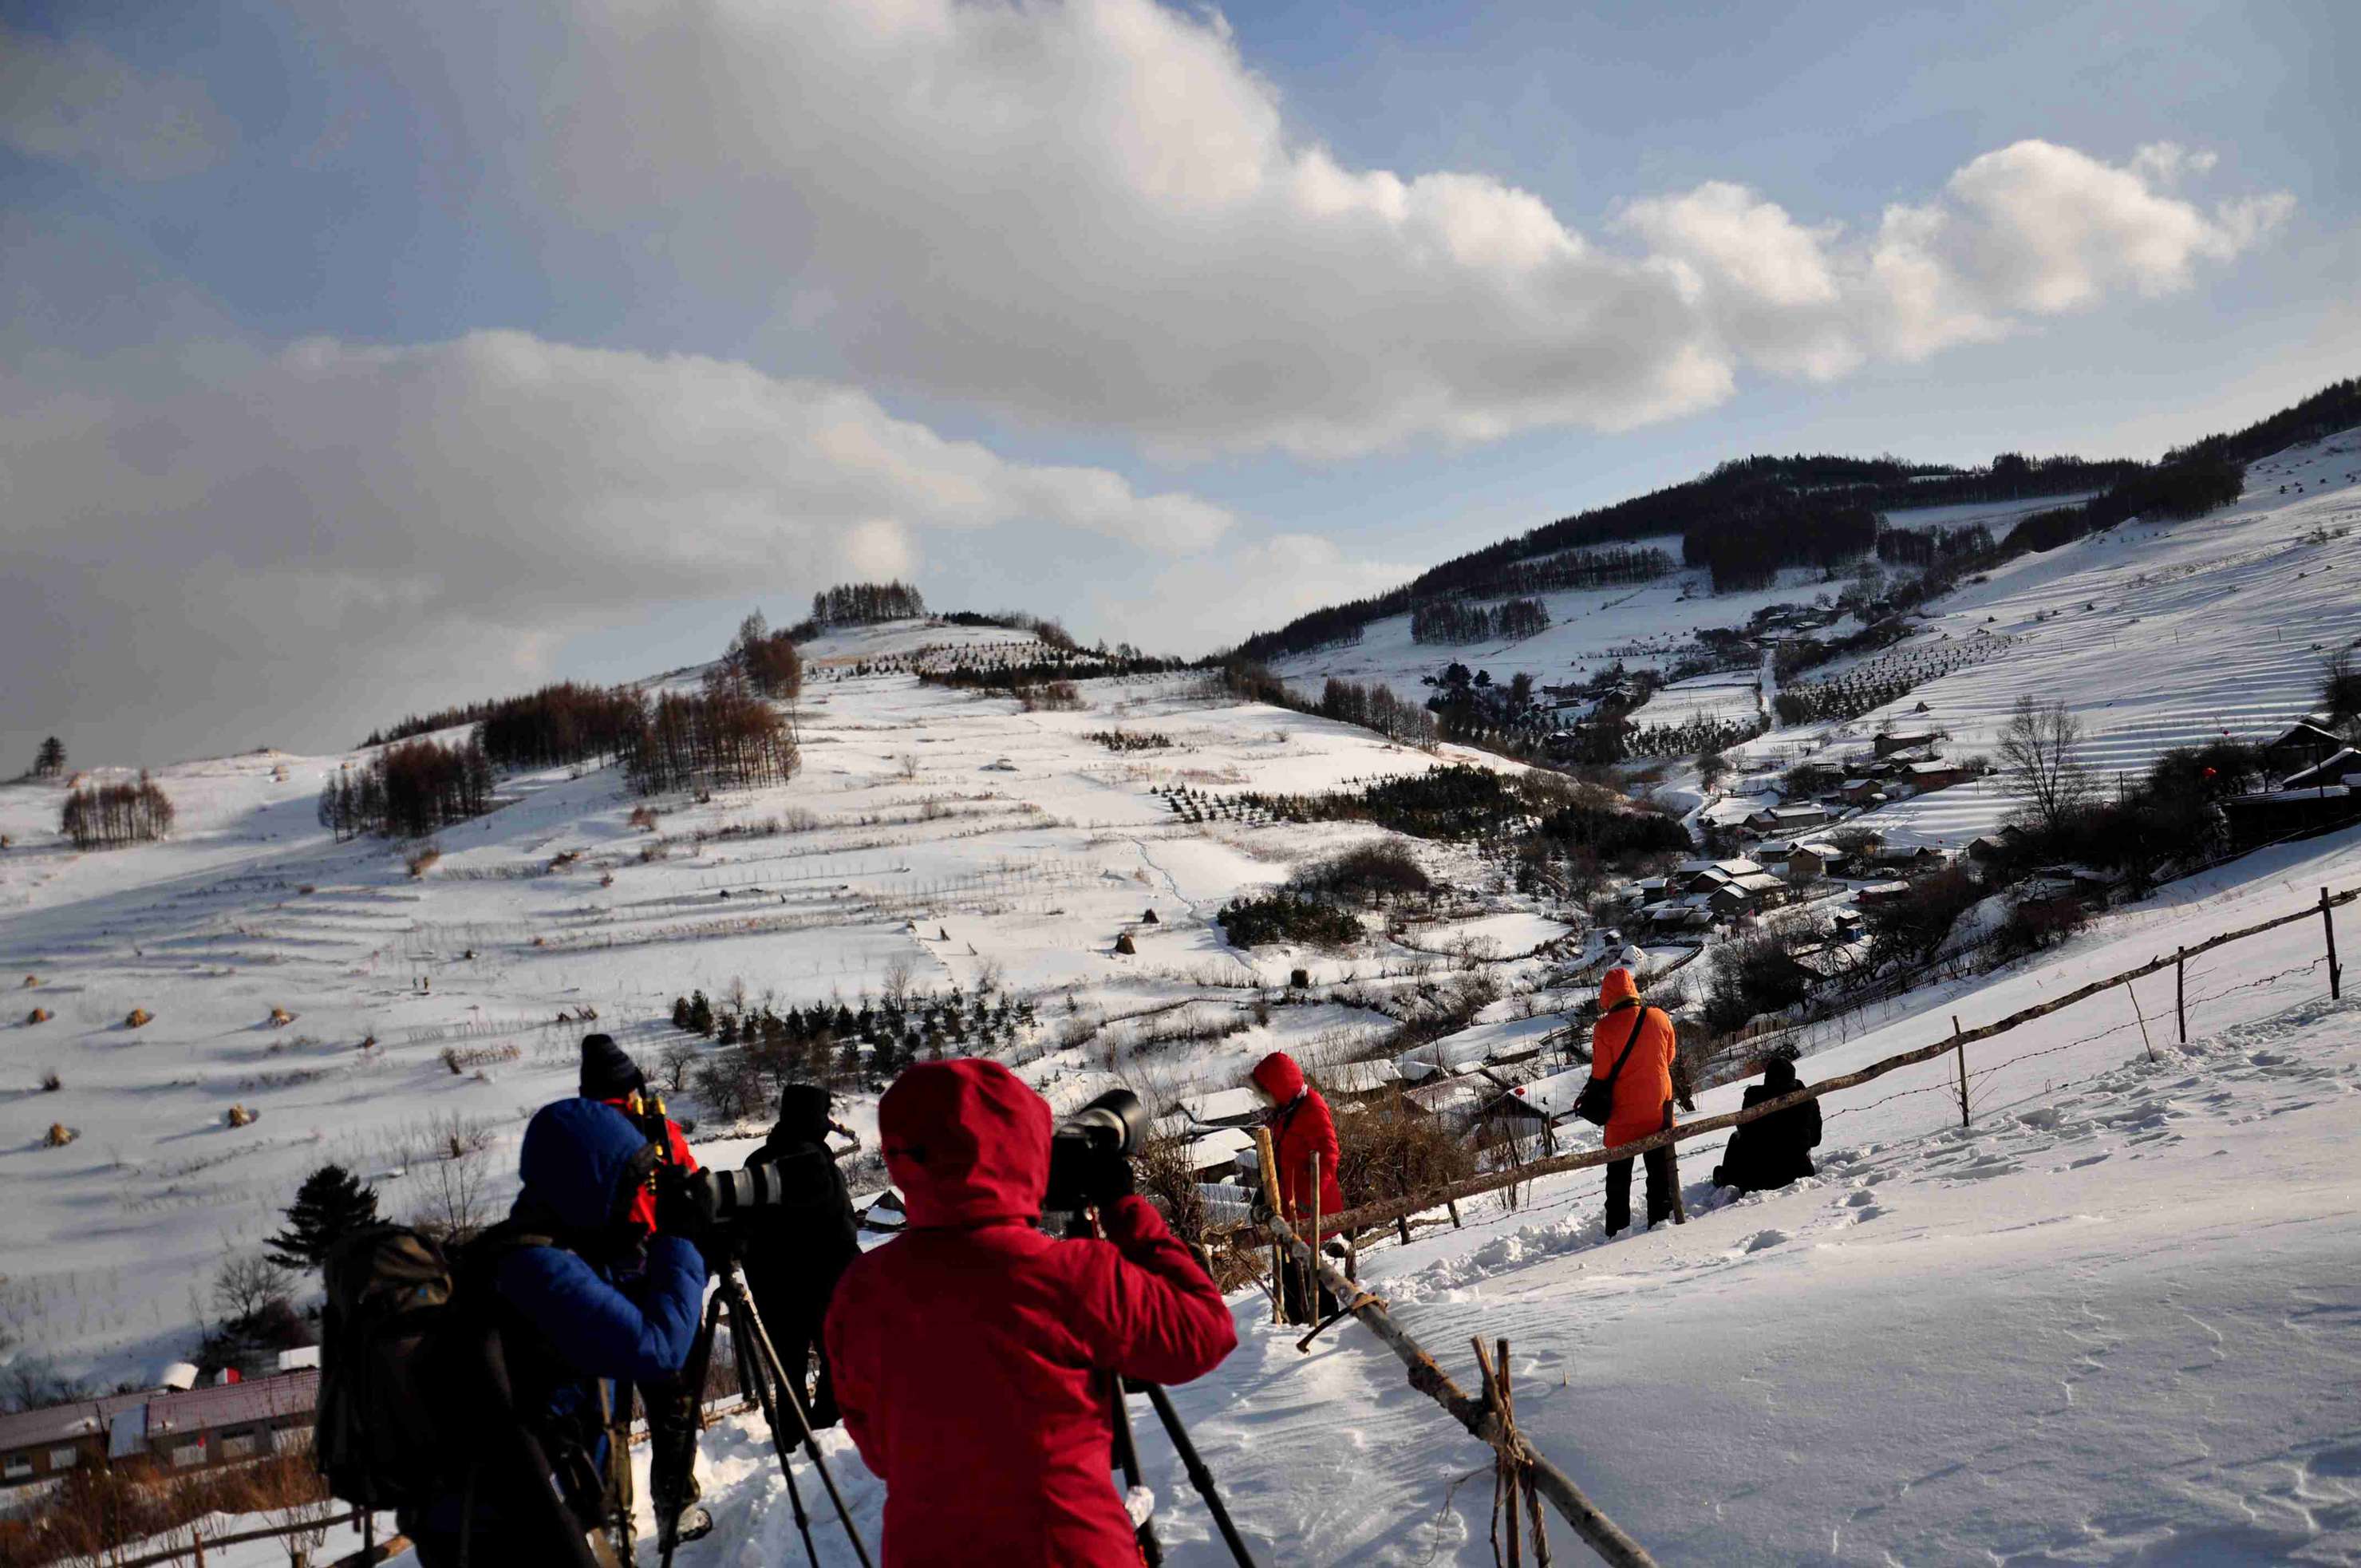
1644 1090
969 1351
643 1205
1299 1128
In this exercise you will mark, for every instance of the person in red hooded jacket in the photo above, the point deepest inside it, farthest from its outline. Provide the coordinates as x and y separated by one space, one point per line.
972 1352
1301 1127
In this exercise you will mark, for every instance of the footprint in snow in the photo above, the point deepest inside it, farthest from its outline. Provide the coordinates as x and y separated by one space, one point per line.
1762 1241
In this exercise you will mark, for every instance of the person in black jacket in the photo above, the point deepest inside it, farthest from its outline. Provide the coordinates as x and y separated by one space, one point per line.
796 1253
1777 1149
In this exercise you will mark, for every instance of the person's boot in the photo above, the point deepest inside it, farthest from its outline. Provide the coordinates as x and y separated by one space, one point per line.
691 1523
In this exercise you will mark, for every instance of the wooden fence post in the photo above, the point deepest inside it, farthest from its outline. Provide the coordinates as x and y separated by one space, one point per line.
2328 927
2181 992
2132 990
1278 1258
1960 1050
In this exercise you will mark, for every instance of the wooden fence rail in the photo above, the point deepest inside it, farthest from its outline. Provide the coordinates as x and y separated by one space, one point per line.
1370 1215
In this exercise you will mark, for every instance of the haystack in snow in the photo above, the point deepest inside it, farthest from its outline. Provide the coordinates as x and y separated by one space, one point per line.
138 1018
237 1116
280 1018
39 1015
59 1135
1124 945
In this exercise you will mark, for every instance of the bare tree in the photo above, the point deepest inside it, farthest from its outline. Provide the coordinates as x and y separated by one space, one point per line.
245 1285
455 1200
2038 755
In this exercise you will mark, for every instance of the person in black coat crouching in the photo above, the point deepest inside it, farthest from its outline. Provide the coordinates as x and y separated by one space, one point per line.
796 1253
1777 1149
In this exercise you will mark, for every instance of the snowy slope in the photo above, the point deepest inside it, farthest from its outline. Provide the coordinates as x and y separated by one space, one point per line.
2155 635
2113 1321
946 835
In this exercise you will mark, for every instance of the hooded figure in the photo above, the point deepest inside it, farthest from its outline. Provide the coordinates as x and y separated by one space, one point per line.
583 1298
1300 1126
1776 1150
1640 1038
795 1253
610 1077
972 1353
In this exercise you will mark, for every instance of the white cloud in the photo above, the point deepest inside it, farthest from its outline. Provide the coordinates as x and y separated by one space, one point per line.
338 518
2031 230
1094 215
69 101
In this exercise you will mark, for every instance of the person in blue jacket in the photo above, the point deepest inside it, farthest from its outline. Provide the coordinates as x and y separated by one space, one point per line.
577 1295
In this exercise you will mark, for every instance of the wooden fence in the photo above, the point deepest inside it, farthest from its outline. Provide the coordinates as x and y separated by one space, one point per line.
1487 1418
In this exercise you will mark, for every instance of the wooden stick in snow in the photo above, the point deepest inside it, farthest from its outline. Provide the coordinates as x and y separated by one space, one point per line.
1599 1532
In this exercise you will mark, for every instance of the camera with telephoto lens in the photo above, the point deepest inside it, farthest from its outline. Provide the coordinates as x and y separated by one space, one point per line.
1085 1146
726 1197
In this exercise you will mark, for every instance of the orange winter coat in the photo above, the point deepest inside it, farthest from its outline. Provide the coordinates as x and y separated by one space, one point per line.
1645 1086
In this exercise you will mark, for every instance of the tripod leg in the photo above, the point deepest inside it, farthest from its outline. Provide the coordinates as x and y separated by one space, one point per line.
734 1281
754 1377
701 1359
1199 1476
1126 1454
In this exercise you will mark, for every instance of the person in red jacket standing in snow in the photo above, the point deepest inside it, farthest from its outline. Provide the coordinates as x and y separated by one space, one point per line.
1301 1127
972 1352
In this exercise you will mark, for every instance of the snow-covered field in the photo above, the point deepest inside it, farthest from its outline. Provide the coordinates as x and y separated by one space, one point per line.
2114 1320
2154 635
944 836
1641 625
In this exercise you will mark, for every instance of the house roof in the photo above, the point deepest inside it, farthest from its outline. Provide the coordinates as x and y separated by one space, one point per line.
1359 1077
1224 1107
2302 731
1759 882
1934 767
1545 1098
2329 770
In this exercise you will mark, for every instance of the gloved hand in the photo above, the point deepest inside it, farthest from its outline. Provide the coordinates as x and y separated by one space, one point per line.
1110 1180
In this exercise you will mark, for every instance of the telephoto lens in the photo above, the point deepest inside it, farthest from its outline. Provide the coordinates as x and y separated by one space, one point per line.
1103 1131
723 1196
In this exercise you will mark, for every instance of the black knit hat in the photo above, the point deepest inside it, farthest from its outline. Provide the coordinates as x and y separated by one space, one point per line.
607 1072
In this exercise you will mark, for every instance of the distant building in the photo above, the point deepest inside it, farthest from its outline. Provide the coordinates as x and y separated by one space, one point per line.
1895 741
2305 744
177 1429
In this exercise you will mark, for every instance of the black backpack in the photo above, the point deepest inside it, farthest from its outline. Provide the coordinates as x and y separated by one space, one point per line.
411 1370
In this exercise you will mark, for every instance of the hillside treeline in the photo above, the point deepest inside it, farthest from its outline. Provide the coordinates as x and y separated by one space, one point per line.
863 604
409 790
2182 488
1766 528
1455 620
1800 510
722 738
102 816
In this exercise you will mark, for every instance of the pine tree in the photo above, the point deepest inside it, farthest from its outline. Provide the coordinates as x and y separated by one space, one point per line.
51 760
330 1205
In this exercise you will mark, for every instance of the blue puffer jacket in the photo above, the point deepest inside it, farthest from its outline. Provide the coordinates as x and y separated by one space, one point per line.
605 1320
570 1321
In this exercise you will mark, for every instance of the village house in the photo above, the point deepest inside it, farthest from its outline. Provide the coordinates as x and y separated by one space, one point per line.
179 1429
2304 744
1894 740
1929 777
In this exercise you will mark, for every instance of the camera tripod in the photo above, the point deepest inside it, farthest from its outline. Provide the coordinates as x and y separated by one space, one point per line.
758 1364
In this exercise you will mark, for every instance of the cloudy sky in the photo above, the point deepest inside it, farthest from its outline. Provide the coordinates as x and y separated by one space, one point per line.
357 358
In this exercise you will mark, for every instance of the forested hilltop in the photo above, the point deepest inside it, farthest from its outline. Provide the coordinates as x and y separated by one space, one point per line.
1751 516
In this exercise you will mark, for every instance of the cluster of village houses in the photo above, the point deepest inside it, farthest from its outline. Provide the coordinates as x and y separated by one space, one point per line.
1514 1079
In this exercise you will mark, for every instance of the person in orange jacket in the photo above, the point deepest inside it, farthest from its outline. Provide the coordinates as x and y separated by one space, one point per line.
1301 1127
1644 1090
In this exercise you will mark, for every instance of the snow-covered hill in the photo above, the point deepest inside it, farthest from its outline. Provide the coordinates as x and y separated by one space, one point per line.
2154 635
946 837
2114 1320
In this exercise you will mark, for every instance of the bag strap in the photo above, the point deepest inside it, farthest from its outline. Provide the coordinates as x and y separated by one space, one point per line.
1637 1025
